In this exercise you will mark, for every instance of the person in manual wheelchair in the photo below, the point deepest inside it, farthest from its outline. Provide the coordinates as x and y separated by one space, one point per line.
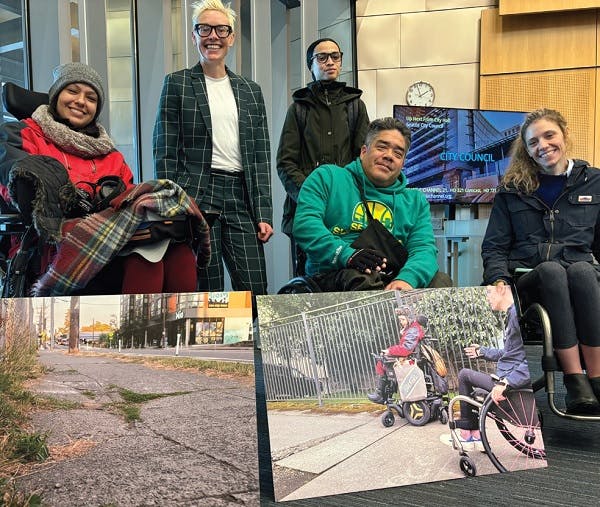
53 166
512 369
545 222
411 333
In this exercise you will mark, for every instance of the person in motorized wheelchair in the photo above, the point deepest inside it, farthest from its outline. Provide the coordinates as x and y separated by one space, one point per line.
411 333
512 369
61 164
545 222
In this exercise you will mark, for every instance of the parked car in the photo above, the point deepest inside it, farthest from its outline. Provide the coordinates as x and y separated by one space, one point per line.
287 382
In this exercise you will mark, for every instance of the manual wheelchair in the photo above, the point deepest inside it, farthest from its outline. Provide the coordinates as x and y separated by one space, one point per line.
536 330
510 431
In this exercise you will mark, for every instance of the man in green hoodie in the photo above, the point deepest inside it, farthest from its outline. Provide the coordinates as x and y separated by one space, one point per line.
331 215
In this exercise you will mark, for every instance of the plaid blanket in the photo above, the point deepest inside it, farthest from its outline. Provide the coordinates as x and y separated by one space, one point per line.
89 243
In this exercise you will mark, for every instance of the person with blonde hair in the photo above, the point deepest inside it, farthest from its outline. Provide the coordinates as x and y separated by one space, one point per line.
211 138
545 226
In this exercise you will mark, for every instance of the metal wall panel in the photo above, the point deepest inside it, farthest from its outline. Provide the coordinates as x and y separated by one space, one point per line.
378 7
433 5
378 42
454 85
456 37
367 82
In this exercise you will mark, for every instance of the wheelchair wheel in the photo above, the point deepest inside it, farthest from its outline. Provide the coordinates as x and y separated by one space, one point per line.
511 432
300 285
388 419
467 465
443 415
417 413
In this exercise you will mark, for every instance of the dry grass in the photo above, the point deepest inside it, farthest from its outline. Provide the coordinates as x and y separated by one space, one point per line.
328 407
242 372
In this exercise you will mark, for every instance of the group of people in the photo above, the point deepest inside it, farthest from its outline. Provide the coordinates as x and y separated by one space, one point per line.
338 170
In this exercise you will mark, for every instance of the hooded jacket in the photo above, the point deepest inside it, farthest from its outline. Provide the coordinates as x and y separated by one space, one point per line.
523 231
326 138
511 359
330 216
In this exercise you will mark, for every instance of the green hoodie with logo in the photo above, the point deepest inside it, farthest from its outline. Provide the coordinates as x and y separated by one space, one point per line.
330 216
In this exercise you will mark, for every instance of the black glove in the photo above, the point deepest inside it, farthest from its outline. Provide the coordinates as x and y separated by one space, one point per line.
364 259
80 204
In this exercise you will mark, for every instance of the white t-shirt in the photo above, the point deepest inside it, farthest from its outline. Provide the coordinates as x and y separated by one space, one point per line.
224 117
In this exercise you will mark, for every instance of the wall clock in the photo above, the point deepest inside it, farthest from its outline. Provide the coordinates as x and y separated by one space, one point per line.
420 94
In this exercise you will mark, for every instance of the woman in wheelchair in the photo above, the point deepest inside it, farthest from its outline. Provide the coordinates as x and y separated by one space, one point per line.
65 138
545 223
511 364
411 333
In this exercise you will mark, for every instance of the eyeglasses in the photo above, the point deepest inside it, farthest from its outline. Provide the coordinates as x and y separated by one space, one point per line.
222 31
336 56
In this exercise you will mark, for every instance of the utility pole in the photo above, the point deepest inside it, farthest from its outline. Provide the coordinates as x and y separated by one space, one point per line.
74 324
52 332
164 320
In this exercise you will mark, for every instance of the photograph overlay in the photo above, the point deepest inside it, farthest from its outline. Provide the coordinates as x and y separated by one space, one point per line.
370 390
142 399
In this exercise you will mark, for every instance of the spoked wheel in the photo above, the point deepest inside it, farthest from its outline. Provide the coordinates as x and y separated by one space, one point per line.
417 413
467 465
511 432
388 419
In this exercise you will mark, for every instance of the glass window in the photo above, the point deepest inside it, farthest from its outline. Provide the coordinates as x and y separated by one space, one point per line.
13 61
120 80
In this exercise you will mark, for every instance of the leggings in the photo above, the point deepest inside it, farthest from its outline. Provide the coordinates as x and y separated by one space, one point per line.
571 296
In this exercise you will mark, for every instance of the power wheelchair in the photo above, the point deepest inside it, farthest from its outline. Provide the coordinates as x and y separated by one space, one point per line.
18 272
434 406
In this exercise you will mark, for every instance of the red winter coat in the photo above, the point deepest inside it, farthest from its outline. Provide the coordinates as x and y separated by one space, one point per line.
22 138
27 136
409 339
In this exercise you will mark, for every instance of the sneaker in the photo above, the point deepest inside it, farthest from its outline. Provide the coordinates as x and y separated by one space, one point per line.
477 444
467 445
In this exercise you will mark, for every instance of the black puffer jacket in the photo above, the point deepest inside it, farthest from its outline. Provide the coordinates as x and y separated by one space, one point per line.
326 138
523 231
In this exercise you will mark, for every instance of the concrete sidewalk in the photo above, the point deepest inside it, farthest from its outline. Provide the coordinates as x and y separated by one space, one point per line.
328 454
195 447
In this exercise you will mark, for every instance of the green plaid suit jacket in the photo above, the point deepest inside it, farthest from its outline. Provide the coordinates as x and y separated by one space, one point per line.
182 139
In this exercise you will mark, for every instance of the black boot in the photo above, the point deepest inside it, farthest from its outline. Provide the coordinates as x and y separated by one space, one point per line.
580 396
379 396
595 383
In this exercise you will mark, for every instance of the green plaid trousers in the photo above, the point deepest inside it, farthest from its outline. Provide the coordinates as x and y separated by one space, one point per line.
233 238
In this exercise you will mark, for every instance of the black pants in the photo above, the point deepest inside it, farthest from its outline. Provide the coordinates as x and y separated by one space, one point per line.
571 296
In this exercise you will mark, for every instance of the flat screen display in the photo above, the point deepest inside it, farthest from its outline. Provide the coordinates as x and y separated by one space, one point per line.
458 156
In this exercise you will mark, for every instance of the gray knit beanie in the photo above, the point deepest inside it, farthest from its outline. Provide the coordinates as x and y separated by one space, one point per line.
76 72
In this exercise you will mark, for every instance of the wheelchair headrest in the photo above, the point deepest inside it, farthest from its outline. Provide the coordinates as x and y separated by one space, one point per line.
421 319
20 102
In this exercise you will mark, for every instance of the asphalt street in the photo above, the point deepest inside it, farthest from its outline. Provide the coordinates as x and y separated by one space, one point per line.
196 446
